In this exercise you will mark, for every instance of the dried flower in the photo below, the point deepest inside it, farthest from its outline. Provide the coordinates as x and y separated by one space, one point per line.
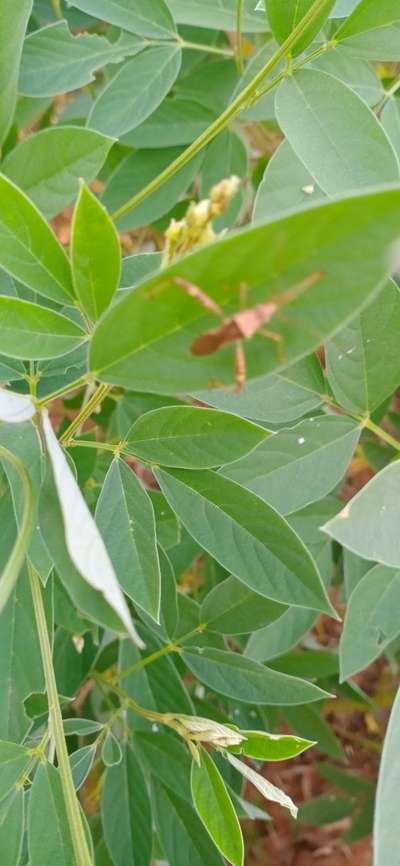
201 730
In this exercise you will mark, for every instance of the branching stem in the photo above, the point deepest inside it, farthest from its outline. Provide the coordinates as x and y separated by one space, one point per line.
241 101
85 413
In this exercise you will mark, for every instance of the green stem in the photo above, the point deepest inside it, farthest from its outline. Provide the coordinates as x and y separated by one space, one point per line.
239 43
126 699
379 431
78 836
148 660
38 753
230 112
163 651
293 68
85 413
56 4
100 446
388 95
18 553
365 422
210 49
83 380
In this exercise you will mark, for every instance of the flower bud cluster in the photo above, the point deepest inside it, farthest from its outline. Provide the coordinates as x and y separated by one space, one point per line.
196 228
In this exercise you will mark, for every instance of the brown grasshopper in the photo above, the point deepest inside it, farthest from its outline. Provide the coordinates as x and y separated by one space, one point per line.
244 324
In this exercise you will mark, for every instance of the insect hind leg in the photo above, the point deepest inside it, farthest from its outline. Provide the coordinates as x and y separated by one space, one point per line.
278 340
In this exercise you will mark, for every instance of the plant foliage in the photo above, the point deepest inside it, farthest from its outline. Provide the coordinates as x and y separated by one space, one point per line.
199 319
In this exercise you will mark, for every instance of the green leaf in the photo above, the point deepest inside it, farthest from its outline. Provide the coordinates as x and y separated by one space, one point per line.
49 838
354 569
243 680
167 758
211 84
192 438
367 525
136 171
266 788
13 24
13 761
390 117
65 612
205 13
298 466
54 61
169 599
73 661
226 156
167 525
20 659
248 537
357 73
274 399
343 8
281 635
371 620
47 165
81 764
334 133
29 251
12 828
149 18
19 551
177 121
81 727
214 808
286 184
136 90
232 608
32 332
271 747
385 823
326 809
95 255
125 518
382 43
156 687
151 352
126 815
111 753
135 268
363 362
307 721
180 830
369 16
350 782
284 17
316 664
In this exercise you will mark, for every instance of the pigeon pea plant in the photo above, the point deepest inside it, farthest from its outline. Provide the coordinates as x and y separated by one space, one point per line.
176 425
